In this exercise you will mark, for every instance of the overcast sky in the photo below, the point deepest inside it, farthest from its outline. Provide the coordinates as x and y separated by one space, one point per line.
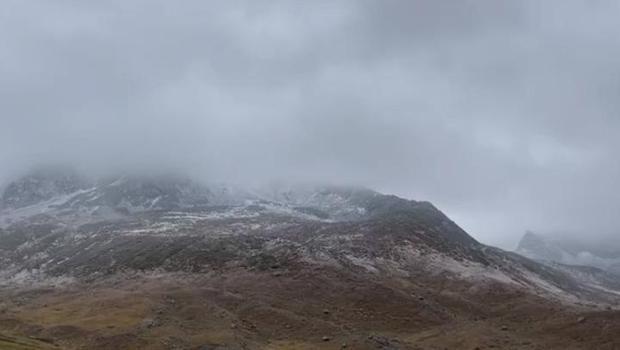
505 114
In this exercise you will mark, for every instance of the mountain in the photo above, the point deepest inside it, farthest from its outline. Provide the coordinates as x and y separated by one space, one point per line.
565 250
165 262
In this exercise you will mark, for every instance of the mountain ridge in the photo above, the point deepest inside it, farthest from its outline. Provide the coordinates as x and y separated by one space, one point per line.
368 262
175 207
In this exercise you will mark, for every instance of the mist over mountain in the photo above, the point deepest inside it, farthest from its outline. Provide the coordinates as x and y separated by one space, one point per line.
501 112
571 250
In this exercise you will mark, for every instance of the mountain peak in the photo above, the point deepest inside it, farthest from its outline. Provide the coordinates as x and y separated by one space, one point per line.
530 240
567 251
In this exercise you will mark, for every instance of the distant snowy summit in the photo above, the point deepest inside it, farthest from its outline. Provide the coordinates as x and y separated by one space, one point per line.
569 251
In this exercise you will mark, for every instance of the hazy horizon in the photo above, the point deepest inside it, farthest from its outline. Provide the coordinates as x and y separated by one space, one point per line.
503 114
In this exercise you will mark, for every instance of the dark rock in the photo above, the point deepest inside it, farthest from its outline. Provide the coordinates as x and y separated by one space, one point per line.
149 323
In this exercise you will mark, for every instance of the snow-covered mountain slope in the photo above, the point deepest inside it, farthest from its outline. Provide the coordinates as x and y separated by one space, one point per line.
567 252
72 198
65 194
41 185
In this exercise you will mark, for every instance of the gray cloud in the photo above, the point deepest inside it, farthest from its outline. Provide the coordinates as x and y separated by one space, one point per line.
503 113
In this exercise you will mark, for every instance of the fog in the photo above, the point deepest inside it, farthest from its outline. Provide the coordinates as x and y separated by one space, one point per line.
504 114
